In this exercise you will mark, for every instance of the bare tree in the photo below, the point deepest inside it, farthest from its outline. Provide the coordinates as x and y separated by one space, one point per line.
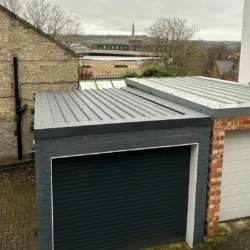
218 51
13 5
48 17
171 40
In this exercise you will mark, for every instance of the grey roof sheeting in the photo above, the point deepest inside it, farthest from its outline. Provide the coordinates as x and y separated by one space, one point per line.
76 112
225 66
210 96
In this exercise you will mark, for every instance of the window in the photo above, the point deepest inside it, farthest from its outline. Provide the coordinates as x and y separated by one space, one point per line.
121 66
104 47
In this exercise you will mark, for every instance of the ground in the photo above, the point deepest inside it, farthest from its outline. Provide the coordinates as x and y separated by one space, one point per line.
18 225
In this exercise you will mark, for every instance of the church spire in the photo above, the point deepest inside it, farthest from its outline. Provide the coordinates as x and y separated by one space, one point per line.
133 32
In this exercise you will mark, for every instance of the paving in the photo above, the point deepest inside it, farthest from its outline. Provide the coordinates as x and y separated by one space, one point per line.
18 216
18 225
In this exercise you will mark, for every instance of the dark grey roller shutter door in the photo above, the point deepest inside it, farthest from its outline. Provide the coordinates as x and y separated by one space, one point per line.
127 200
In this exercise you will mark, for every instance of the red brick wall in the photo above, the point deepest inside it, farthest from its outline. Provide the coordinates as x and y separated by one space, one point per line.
219 127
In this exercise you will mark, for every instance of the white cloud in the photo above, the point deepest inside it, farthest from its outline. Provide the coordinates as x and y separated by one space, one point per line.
216 19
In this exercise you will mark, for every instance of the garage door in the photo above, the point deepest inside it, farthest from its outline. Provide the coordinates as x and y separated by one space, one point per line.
126 200
235 201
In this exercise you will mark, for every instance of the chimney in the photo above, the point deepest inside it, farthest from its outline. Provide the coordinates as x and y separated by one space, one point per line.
244 74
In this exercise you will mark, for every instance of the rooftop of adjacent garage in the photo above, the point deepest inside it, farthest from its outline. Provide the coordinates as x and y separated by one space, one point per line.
93 111
213 97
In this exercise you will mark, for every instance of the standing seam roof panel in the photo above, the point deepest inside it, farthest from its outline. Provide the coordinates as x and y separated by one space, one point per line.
152 106
230 91
84 106
114 110
189 90
172 91
55 108
194 87
100 108
136 102
129 110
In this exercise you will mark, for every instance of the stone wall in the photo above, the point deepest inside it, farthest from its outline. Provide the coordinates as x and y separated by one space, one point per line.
43 65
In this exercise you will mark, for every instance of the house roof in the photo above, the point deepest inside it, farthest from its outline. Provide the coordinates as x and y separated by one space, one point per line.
29 25
213 97
225 66
81 112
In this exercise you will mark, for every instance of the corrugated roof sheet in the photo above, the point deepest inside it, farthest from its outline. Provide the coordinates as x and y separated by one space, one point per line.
214 97
103 107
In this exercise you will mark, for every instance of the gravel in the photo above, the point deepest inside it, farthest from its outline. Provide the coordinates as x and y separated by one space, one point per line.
24 174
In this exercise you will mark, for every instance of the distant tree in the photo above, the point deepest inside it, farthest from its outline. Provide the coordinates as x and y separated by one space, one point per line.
15 6
218 51
48 17
172 42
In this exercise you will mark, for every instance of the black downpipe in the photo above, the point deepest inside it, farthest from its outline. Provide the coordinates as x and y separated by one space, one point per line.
18 117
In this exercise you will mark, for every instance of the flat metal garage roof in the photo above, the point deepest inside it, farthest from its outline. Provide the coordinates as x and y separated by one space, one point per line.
213 97
81 112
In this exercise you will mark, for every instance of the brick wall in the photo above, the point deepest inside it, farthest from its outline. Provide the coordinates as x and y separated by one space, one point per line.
219 127
43 65
77 145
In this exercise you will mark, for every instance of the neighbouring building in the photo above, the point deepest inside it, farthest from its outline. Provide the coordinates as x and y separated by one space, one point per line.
113 66
132 45
43 64
226 70
228 103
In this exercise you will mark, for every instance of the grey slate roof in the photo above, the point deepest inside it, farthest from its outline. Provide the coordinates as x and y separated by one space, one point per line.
213 97
225 66
80 112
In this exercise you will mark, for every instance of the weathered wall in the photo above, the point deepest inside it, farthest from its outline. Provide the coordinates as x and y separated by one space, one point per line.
215 71
43 65
77 145
105 68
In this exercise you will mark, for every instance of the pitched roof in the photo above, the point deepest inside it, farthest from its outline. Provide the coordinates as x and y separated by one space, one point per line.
225 66
29 25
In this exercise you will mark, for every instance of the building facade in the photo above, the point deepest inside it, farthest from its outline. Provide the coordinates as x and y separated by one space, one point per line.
132 45
226 70
43 64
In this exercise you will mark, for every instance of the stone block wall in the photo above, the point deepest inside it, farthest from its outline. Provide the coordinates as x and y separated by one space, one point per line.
43 65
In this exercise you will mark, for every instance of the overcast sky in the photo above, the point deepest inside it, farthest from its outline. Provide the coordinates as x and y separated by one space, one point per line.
216 19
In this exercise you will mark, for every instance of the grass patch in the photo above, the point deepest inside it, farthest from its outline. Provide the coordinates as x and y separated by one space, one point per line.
210 243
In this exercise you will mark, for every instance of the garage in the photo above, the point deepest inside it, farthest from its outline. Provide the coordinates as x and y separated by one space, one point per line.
119 169
143 197
229 169
235 193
